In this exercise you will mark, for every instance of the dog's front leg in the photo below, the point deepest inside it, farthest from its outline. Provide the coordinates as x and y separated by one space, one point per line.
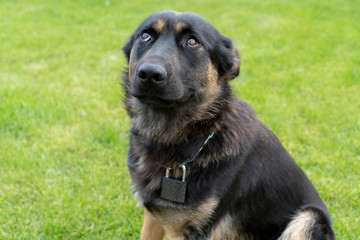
151 229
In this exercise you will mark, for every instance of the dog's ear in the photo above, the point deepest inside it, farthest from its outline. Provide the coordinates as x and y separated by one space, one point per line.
127 47
228 59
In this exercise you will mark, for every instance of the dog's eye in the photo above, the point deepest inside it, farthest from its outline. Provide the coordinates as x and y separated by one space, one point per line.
145 36
191 42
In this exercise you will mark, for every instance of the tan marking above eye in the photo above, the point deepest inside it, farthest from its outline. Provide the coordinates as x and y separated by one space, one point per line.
179 26
159 25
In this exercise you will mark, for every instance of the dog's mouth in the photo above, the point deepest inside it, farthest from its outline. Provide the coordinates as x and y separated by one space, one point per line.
162 103
162 96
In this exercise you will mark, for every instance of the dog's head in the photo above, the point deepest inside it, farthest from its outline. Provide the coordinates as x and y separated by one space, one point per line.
177 58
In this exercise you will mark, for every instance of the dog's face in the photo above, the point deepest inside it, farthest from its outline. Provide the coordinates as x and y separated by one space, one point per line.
178 58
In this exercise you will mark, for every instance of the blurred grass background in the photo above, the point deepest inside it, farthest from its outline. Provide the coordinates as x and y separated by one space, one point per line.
64 132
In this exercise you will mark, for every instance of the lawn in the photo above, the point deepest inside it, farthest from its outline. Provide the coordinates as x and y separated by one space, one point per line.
64 131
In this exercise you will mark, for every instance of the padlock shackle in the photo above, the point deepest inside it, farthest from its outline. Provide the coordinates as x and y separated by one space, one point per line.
184 172
167 172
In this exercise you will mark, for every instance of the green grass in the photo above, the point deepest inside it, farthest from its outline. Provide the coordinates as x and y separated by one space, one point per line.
64 132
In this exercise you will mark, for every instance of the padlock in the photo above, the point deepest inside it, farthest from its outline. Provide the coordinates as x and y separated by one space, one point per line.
172 189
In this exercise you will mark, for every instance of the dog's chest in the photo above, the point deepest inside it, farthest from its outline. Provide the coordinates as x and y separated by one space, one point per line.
178 220
190 223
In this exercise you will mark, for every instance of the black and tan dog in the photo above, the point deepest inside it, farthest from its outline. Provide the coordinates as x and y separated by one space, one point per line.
227 175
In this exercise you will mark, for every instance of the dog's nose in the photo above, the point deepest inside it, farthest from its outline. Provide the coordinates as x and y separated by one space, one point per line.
152 73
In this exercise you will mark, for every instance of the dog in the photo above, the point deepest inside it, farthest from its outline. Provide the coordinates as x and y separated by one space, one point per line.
202 164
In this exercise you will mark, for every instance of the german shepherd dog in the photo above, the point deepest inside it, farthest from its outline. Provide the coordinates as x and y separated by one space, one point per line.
202 164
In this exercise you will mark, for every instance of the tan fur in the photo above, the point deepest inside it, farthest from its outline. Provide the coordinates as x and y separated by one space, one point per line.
300 227
159 25
235 53
225 229
236 65
175 221
151 229
180 26
209 88
212 87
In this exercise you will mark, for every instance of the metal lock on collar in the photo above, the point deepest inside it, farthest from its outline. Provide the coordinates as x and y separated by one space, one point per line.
173 189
